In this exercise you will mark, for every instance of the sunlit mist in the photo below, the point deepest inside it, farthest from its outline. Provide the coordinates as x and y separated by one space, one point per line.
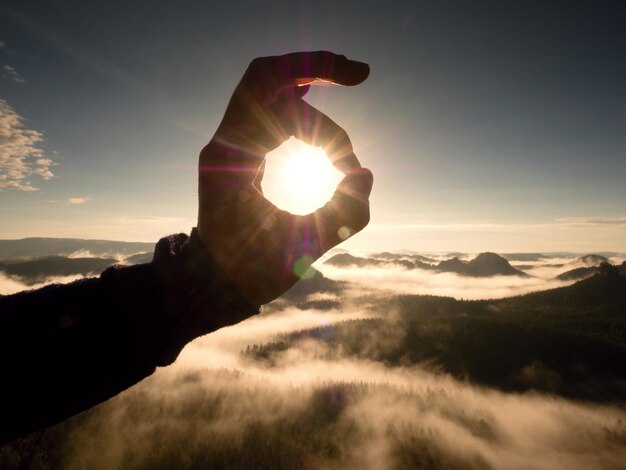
299 178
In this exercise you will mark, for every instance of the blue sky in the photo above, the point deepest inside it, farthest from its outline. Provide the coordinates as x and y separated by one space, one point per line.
488 125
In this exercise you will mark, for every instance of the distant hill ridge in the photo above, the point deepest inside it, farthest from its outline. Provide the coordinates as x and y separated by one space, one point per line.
577 274
592 260
607 286
30 248
591 265
484 265
38 270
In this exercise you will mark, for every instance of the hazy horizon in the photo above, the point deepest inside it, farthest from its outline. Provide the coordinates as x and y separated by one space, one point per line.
391 275
339 248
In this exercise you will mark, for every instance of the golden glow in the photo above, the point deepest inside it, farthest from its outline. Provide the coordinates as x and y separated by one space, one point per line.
299 178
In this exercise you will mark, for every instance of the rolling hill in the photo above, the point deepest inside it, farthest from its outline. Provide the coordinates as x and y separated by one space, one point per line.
484 265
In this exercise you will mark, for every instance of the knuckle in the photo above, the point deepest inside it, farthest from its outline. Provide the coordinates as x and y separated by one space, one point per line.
364 220
258 66
254 63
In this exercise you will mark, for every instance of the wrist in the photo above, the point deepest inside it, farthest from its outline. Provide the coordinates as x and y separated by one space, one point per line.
199 297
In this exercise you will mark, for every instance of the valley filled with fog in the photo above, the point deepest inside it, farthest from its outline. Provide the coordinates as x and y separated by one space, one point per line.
373 360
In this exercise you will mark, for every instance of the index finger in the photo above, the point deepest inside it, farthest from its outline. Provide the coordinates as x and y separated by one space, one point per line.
302 68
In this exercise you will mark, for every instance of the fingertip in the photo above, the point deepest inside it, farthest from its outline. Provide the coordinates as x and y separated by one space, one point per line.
350 72
360 71
326 68
359 179
365 181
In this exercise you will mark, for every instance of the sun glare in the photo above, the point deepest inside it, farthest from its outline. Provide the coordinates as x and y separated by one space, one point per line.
299 178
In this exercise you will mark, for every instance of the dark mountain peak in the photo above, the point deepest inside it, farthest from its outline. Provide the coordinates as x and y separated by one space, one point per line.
346 259
312 282
489 257
484 265
387 255
492 264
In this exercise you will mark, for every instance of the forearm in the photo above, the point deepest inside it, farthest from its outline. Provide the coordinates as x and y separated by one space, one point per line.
67 348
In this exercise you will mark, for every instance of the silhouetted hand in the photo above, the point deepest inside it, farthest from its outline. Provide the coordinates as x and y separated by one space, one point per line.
262 249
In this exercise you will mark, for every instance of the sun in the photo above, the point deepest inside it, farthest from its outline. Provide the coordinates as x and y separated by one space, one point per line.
299 178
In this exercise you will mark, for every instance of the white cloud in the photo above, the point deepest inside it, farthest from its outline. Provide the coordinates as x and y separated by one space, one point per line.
264 328
399 280
75 201
20 153
13 74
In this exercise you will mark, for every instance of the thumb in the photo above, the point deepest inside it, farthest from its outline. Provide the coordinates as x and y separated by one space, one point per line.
357 182
351 201
348 211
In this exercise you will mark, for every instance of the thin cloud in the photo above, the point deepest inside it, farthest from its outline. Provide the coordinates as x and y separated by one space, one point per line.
586 221
148 219
462 227
76 201
13 74
562 222
20 153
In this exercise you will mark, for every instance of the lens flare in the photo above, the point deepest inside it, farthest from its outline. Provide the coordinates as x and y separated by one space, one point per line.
301 267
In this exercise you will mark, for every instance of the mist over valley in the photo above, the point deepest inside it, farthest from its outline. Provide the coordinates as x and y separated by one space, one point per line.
382 360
